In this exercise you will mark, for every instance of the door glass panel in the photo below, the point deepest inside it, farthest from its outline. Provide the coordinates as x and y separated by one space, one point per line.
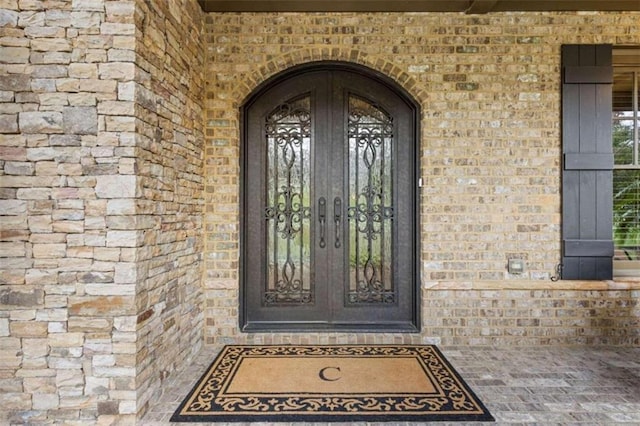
370 211
288 211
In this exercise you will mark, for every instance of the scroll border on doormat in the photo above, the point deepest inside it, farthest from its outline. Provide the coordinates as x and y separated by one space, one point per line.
453 400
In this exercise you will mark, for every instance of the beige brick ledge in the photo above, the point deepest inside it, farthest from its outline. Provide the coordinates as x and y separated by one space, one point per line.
621 284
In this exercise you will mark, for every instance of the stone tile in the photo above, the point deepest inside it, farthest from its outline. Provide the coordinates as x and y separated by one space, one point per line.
40 122
80 120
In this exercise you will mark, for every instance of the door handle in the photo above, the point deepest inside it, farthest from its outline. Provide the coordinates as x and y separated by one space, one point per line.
322 218
337 218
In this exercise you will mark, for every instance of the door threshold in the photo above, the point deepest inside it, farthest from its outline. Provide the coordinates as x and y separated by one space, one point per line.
330 327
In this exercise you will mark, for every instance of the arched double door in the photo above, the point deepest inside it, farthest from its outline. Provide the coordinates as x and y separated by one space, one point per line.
329 217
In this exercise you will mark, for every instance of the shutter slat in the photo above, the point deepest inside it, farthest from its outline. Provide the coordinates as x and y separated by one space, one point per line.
588 74
588 248
588 201
604 108
588 161
587 212
604 207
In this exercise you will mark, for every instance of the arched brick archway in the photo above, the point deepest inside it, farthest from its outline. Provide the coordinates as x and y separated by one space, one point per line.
222 170
248 82
329 213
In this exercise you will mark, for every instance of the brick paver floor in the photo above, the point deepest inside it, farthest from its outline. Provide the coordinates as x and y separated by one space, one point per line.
519 385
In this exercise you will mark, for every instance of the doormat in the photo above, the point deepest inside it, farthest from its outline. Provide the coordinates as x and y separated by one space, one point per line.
330 384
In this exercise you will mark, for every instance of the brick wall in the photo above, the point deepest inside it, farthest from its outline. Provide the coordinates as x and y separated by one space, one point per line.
489 88
565 314
495 314
102 149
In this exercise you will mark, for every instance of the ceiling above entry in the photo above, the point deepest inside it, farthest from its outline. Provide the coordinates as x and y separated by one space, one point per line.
466 6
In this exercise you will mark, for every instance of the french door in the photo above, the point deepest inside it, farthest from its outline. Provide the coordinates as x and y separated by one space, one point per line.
329 204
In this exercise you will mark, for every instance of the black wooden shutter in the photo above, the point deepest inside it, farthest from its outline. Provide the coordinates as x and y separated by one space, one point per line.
587 175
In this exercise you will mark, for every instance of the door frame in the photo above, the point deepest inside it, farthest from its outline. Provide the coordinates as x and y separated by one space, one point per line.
414 106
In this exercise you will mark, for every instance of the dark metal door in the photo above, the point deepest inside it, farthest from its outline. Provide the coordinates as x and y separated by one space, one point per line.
329 204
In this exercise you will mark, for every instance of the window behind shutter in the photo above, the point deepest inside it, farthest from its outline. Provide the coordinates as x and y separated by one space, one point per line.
587 194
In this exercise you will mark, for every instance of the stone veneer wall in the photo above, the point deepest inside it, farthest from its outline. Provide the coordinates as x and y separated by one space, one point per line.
101 138
489 87
169 154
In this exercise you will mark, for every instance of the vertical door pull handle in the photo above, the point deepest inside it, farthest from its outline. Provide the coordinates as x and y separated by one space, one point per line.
337 217
322 218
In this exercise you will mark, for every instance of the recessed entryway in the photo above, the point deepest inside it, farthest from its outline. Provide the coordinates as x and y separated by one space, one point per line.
329 223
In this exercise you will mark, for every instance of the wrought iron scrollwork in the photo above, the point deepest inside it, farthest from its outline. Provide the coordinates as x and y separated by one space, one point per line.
288 213
370 133
288 137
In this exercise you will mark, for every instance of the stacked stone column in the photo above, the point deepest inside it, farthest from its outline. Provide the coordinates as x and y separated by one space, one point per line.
82 211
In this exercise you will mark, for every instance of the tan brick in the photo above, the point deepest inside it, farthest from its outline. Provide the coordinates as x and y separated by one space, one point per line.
8 123
111 28
86 19
117 71
28 329
46 401
124 42
49 45
116 108
37 32
40 385
49 251
97 86
4 327
15 55
116 186
11 153
120 124
69 378
12 249
90 325
13 207
19 168
124 238
46 168
65 340
40 277
15 401
34 194
82 70
100 305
